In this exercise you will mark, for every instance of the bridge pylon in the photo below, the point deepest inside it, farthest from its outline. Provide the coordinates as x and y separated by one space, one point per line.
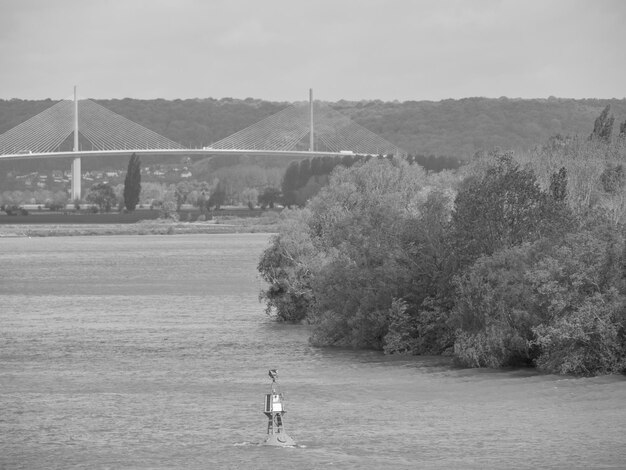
315 126
76 171
96 131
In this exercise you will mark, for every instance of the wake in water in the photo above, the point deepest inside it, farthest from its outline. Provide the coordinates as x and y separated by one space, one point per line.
246 443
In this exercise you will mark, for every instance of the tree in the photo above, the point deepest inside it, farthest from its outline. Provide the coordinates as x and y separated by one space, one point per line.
491 312
102 195
181 192
557 304
589 341
310 189
201 202
58 201
290 184
558 185
504 207
362 223
316 166
217 197
286 267
613 178
132 183
269 197
304 172
603 126
363 258
250 197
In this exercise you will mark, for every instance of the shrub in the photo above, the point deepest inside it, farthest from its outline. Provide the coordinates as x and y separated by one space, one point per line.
54 205
588 341
490 347
418 331
13 209
559 305
284 265
168 211
492 314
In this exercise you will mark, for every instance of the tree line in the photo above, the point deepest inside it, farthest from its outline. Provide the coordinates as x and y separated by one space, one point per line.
513 259
304 178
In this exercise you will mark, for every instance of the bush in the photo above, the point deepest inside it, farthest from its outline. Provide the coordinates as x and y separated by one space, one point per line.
54 205
283 265
363 225
503 207
588 341
418 331
493 316
167 210
490 347
13 209
613 178
102 195
559 305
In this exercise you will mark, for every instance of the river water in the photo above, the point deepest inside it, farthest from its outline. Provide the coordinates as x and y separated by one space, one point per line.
153 352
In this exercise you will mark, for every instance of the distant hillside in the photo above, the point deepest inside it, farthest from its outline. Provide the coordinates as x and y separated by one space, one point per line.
460 128
455 128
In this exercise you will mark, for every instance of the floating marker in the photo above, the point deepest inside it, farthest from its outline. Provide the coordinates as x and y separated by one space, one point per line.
274 410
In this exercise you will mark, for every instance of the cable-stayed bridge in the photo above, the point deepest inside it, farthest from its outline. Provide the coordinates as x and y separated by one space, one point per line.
82 128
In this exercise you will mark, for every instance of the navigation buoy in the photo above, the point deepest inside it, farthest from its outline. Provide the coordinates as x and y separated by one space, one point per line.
274 410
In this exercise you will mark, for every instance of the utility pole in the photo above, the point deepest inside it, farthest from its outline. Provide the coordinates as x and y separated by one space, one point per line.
312 129
76 172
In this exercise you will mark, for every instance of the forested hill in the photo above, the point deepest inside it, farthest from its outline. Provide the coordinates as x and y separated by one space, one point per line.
456 128
460 128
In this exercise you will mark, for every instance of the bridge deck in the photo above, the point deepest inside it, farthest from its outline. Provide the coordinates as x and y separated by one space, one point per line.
183 151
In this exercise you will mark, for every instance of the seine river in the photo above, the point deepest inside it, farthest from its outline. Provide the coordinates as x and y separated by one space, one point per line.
153 352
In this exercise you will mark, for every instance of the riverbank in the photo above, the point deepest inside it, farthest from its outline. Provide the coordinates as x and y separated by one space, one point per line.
226 224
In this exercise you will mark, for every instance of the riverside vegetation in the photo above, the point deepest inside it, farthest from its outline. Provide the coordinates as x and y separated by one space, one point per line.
510 260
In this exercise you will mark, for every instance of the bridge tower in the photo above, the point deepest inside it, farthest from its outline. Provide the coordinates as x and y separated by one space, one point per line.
311 129
76 171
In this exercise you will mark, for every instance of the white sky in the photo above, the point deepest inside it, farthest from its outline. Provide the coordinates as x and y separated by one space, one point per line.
343 49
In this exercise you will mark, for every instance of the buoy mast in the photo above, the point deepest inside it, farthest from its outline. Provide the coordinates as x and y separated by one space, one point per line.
274 410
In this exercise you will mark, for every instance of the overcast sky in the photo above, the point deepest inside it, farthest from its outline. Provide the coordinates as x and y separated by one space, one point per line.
343 49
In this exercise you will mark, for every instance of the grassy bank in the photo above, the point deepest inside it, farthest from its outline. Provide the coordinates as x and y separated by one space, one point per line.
226 224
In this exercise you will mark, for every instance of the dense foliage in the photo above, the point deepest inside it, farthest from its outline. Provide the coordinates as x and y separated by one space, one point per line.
304 178
103 196
511 260
371 236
